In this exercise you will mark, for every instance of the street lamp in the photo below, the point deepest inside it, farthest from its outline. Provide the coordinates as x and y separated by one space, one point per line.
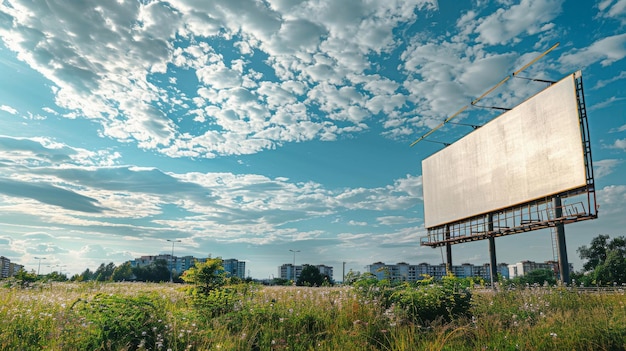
39 265
172 259
294 263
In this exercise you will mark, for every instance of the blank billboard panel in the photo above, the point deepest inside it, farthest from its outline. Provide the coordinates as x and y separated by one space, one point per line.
530 152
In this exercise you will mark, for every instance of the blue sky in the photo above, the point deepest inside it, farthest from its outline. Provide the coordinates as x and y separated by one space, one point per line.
249 128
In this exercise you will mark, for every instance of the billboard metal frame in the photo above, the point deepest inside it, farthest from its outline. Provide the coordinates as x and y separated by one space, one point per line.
554 211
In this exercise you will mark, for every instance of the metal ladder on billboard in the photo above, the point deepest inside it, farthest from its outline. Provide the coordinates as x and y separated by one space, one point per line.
555 249
553 233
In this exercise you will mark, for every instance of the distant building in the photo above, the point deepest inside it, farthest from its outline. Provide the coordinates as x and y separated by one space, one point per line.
8 268
524 267
14 268
325 270
290 272
235 268
403 271
4 267
179 265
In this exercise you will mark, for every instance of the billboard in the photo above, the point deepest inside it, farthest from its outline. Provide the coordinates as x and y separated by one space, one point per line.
533 151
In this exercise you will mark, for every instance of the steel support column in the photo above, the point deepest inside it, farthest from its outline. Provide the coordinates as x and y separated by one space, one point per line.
560 235
493 263
448 252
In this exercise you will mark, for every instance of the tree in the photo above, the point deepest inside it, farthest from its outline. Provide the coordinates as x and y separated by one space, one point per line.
56 277
158 271
613 270
122 272
351 277
310 276
595 254
605 260
206 275
87 275
104 273
539 276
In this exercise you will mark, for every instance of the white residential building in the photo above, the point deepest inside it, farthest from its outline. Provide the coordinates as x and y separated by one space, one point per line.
290 272
524 267
403 271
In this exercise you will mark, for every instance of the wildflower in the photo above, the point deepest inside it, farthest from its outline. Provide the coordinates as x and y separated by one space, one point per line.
553 335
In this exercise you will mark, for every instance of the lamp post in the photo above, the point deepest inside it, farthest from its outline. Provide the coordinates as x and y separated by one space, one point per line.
294 264
172 259
39 265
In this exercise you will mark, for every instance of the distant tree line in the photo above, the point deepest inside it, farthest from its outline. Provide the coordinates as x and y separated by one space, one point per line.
157 271
604 265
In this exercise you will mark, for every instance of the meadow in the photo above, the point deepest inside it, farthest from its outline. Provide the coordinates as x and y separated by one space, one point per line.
149 316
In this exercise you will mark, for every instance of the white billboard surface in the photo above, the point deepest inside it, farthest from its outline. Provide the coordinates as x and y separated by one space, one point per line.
530 152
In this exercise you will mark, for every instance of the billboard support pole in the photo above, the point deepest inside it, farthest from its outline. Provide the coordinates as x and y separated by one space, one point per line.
448 252
560 235
493 265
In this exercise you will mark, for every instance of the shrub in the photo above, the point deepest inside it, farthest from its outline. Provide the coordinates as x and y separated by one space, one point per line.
112 322
420 303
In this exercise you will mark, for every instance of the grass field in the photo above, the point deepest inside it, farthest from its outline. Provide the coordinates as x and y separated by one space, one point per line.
144 316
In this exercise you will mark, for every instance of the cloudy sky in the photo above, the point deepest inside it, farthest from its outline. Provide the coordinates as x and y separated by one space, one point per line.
247 128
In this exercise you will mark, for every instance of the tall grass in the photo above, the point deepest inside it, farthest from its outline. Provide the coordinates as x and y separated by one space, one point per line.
143 316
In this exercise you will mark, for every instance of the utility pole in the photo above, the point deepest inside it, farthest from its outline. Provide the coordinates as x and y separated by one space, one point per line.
39 265
294 264
172 259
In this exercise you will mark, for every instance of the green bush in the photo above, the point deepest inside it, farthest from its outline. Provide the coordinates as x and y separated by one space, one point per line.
421 303
112 322
426 304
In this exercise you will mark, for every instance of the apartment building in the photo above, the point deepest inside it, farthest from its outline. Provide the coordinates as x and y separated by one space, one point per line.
8 268
4 267
522 268
233 267
290 272
403 271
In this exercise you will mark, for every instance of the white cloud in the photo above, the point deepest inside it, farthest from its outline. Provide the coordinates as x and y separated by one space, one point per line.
529 17
312 43
612 199
619 129
615 78
606 50
356 223
67 49
8 109
620 144
395 220
606 103
603 168
615 9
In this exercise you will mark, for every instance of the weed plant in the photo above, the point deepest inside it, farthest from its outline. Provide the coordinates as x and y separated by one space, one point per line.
373 316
